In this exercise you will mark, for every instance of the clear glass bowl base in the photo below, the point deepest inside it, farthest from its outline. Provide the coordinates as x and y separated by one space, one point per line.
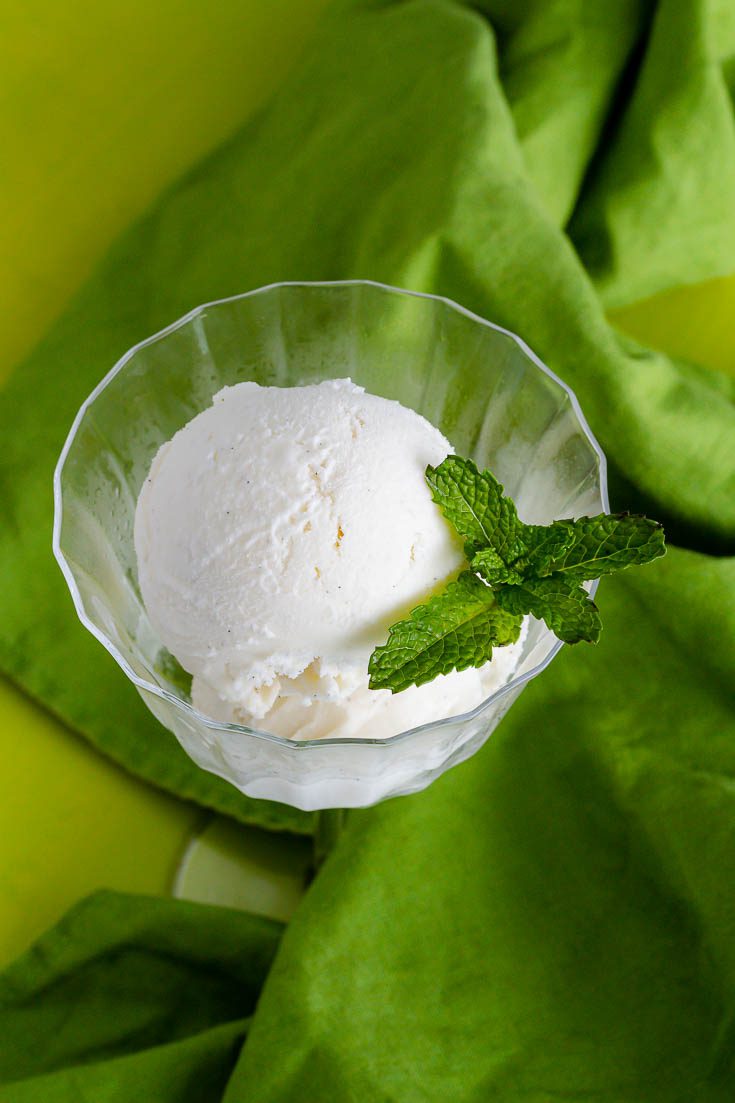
234 866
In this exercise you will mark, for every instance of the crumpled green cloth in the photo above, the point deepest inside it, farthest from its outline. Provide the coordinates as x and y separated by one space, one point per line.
132 998
554 919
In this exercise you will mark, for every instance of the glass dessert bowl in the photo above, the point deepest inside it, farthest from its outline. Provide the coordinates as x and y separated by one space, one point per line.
478 384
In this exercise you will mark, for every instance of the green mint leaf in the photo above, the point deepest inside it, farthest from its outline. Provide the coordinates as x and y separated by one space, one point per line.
543 544
562 604
454 630
592 546
490 566
474 503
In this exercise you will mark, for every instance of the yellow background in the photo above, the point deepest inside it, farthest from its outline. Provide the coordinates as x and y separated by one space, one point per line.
101 106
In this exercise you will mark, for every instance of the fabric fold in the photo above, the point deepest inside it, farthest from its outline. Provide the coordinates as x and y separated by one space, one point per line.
658 207
193 1070
565 67
123 974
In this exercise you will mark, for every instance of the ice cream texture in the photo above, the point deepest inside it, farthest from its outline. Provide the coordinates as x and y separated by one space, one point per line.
278 536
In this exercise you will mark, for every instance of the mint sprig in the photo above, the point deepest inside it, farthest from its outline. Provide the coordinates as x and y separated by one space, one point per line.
514 569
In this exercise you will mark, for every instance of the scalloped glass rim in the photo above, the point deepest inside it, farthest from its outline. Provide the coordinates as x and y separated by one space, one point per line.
300 746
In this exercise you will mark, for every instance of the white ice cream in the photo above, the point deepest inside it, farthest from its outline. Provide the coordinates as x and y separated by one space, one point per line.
279 534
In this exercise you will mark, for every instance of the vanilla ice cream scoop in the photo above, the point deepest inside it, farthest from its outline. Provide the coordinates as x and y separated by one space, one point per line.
279 534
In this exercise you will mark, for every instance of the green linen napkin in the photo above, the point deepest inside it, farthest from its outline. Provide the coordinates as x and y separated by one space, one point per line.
554 919
130 997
